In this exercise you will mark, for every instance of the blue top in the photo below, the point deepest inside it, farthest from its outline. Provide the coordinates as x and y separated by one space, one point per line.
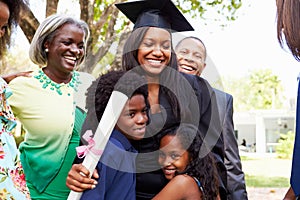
116 170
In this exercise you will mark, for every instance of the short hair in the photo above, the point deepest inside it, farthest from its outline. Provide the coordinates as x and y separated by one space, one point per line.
195 38
46 32
14 7
288 25
98 94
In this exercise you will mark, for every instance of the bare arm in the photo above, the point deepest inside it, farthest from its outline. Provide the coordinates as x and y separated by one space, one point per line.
180 187
9 77
290 195
78 178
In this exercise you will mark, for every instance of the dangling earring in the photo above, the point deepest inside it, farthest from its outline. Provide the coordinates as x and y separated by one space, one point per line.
46 50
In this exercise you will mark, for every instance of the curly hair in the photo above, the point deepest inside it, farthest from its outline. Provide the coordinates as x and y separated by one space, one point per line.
99 92
202 165
14 7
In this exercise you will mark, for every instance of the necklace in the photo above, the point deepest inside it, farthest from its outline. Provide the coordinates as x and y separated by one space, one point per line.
46 81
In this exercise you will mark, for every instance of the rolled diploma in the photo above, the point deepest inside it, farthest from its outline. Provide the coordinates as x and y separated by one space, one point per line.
105 127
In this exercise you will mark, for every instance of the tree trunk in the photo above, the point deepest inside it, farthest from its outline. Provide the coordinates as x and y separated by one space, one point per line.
28 23
51 7
117 63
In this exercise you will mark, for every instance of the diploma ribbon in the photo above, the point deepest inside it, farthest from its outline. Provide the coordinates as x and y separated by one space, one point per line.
84 149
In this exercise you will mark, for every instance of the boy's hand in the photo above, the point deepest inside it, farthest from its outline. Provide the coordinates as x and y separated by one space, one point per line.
78 178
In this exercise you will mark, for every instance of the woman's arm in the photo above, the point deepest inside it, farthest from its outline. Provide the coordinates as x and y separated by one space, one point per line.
9 77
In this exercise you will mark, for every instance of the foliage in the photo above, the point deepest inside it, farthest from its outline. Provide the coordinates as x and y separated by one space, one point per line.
107 26
260 89
263 181
222 9
102 66
286 144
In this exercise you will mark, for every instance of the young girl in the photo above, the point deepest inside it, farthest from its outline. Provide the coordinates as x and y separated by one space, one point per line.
188 166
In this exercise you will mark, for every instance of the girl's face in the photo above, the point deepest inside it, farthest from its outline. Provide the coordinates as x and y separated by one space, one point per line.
133 118
172 156
4 16
66 48
154 52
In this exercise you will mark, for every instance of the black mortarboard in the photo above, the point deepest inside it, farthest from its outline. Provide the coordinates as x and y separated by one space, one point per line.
155 13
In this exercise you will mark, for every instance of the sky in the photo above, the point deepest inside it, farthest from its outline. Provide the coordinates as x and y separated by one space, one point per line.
249 43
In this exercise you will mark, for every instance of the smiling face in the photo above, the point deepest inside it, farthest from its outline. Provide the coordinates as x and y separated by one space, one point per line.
133 118
154 52
4 16
65 48
172 156
191 56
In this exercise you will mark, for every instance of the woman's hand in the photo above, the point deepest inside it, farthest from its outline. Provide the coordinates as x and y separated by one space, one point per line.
10 77
78 178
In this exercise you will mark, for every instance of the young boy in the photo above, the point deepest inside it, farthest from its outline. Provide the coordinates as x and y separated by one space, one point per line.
116 167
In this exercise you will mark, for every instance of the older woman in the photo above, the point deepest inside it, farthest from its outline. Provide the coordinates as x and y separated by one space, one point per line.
45 105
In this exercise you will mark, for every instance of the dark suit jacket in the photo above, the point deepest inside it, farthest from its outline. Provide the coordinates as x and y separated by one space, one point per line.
236 187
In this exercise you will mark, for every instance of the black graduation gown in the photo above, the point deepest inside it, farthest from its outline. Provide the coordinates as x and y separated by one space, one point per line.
150 178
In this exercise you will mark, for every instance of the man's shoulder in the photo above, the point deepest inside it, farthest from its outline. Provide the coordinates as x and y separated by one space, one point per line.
222 93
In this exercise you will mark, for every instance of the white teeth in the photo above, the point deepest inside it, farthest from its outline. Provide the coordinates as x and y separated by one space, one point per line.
187 67
154 61
71 58
169 170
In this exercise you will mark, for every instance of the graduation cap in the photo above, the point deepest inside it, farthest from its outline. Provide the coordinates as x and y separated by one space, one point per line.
155 13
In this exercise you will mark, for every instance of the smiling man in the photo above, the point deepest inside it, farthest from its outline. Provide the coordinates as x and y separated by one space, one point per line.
191 56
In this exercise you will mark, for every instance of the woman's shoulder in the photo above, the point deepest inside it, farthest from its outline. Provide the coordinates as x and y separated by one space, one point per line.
20 80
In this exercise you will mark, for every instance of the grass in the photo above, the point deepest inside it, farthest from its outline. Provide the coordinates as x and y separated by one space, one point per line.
263 181
245 158
266 172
